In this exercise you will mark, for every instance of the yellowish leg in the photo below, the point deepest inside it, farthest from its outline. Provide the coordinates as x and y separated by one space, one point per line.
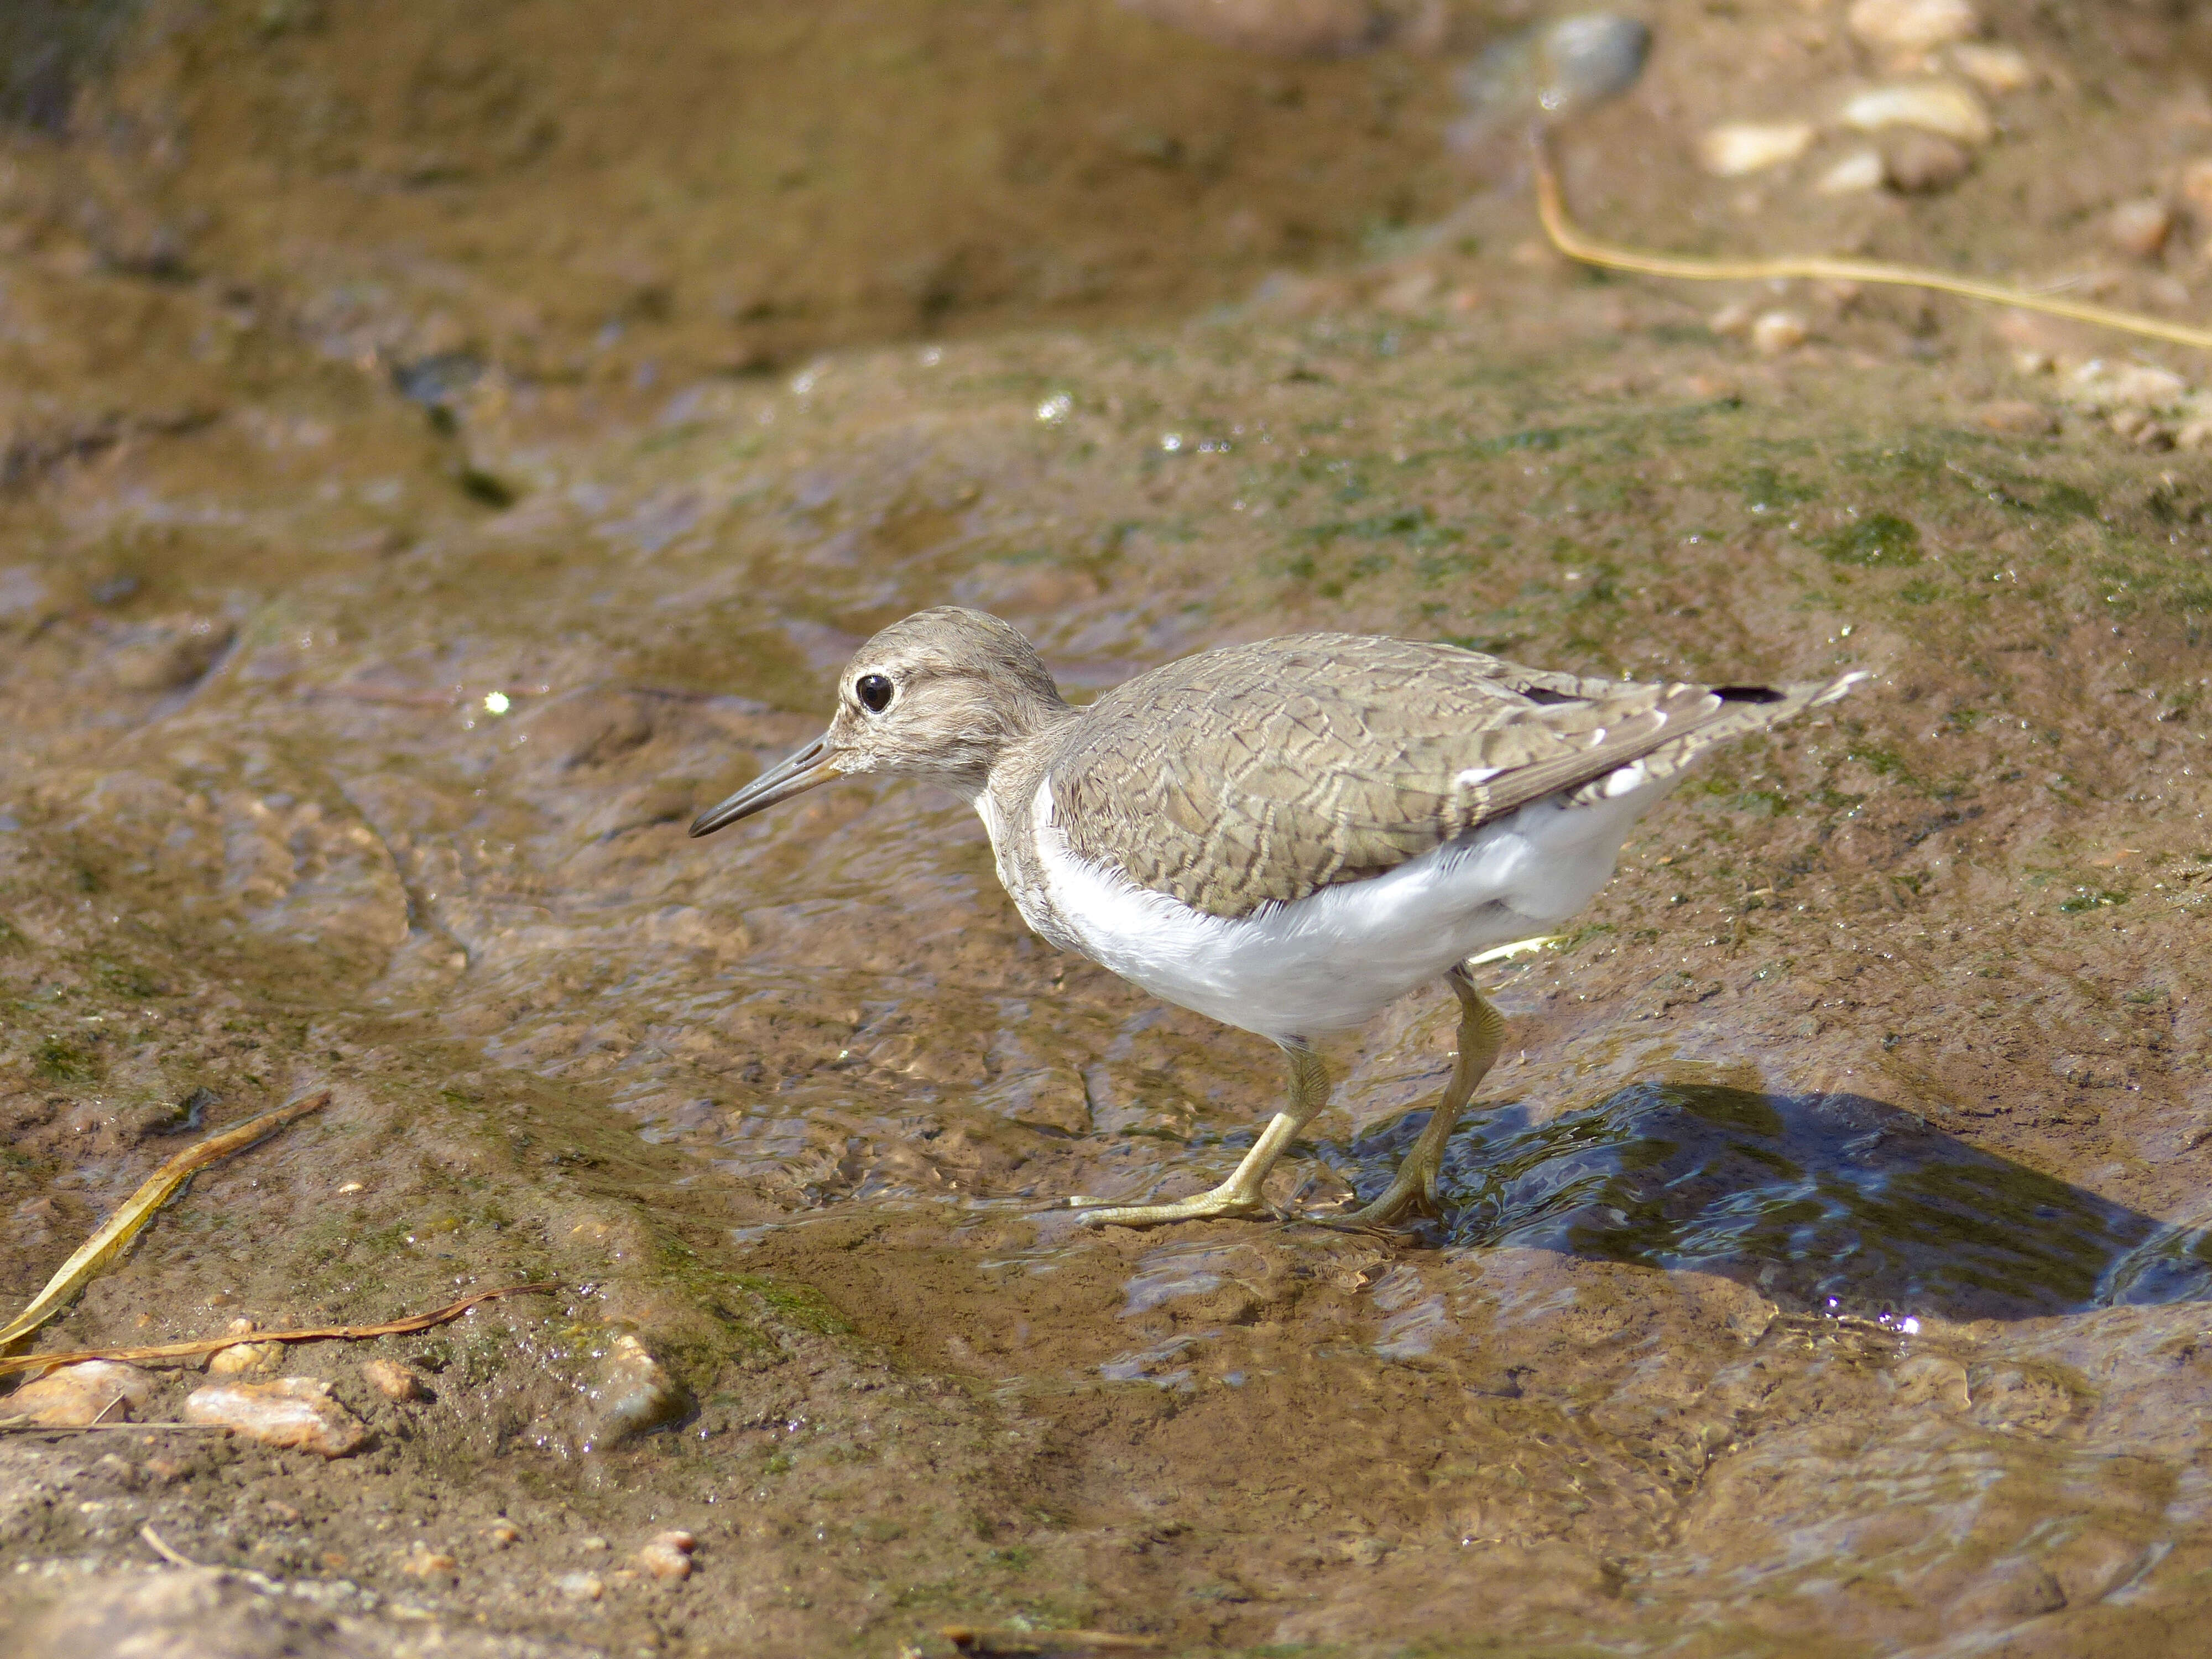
1239 1195
1481 1030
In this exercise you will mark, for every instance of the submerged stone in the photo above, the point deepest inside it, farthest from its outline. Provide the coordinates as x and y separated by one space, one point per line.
295 1411
93 1391
633 1395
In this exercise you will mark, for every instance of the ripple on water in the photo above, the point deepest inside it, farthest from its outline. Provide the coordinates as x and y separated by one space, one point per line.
1832 1201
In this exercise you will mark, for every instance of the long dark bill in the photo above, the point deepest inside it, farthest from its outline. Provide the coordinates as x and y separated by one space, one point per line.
809 766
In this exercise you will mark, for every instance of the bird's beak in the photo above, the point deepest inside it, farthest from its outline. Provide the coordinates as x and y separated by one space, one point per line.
809 766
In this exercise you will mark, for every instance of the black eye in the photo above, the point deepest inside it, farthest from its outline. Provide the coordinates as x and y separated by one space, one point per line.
874 692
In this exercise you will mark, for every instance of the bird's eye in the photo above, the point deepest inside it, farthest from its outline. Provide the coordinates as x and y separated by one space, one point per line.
874 691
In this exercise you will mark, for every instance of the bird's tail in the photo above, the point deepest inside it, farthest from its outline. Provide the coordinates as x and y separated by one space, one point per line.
1737 711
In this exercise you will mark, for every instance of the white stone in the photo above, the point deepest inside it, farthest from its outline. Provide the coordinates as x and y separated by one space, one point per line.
1913 25
1852 174
1993 69
1945 107
1777 332
71 1396
286 1411
2128 385
1742 147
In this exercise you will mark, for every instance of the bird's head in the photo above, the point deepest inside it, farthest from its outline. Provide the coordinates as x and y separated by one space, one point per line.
938 696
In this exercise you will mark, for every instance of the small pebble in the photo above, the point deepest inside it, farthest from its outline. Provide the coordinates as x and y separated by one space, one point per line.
393 1379
71 1396
2016 415
1944 108
2196 186
634 1395
593 1543
1734 318
286 1411
2139 229
676 1540
245 1356
1921 163
502 1533
664 1562
2129 385
427 1563
2143 429
1912 24
584 1586
1776 332
1993 69
1742 147
350 1187
1860 171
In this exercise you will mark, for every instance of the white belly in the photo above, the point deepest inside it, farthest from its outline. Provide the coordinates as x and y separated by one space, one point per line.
1331 960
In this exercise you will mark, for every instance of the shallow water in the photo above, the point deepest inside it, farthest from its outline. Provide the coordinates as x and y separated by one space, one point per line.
1830 1203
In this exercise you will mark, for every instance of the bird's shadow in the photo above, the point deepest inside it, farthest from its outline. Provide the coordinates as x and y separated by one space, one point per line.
1825 1201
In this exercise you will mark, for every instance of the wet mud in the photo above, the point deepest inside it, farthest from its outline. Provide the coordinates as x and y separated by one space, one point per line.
1824 1271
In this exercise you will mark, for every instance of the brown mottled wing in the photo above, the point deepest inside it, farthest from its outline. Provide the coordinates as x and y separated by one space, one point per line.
1264 772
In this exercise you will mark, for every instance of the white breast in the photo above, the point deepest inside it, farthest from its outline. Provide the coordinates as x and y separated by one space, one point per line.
1331 960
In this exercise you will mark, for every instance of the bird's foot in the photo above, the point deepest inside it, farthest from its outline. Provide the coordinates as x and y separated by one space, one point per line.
1413 1192
1224 1203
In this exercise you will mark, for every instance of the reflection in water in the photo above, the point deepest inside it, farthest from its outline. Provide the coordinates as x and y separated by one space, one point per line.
1832 1201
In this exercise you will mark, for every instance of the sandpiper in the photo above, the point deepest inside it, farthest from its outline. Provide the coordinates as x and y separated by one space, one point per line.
1285 835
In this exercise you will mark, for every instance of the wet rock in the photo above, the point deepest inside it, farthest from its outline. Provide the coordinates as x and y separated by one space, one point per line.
2016 416
1931 1379
2102 386
1283 28
2010 1590
2093 1564
393 1379
295 1411
1921 163
95 1390
1912 24
1742 147
1993 69
245 1356
587 728
166 656
1944 108
2145 431
634 1395
1774 332
667 1555
2139 229
580 1586
1860 171
1589 58
1559 67
422 1562
2196 183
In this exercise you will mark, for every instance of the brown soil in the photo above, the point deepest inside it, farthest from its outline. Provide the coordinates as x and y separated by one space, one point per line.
390 573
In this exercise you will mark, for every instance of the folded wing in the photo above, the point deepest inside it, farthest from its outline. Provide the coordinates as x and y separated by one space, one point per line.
1261 773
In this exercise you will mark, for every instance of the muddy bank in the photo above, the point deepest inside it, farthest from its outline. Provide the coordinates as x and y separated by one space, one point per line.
1826 1273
